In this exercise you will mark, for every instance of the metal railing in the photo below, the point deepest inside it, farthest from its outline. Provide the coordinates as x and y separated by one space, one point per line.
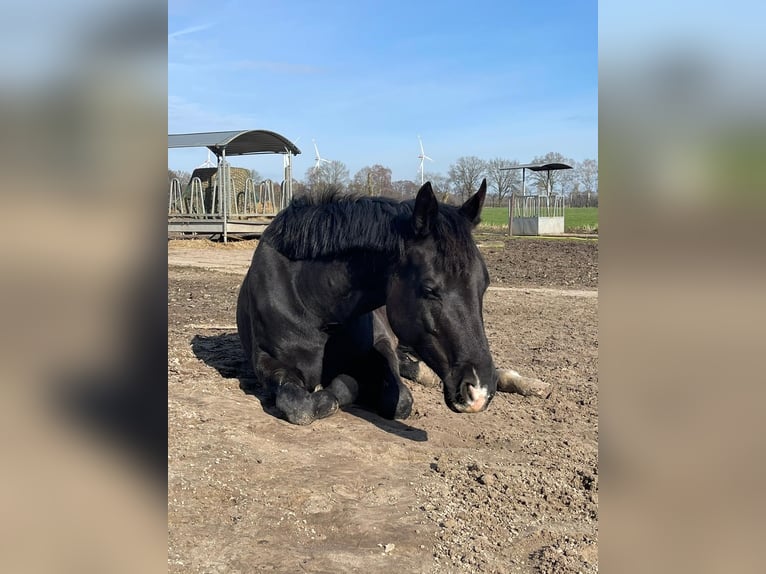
176 203
538 206
196 197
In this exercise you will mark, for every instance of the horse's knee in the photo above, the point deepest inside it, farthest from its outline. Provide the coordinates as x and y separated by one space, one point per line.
301 407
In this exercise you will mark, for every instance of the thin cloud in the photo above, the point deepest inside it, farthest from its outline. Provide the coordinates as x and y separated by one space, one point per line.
188 116
189 30
282 67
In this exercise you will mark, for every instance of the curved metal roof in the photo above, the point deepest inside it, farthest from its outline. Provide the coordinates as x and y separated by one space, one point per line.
540 166
549 166
246 142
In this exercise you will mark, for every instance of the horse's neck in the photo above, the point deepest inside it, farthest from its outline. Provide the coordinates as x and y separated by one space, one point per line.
368 278
346 288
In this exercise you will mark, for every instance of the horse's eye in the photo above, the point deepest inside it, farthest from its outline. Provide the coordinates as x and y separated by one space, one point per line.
431 293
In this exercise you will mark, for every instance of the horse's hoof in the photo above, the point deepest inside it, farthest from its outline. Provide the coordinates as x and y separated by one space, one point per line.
537 388
404 405
345 389
297 414
324 404
403 411
295 403
299 418
396 404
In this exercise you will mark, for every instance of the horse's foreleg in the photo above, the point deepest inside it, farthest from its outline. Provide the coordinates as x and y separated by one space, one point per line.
293 398
395 399
416 370
510 381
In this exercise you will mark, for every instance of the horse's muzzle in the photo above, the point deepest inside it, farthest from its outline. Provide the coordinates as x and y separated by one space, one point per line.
472 397
477 398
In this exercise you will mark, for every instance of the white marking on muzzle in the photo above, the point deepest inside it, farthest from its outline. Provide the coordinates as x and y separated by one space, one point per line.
477 395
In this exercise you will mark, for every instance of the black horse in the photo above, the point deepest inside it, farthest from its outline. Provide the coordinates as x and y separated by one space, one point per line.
334 283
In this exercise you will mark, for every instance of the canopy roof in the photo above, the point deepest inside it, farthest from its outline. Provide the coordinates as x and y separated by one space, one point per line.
246 142
540 166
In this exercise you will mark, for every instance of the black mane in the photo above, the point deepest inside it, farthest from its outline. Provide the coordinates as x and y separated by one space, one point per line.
336 224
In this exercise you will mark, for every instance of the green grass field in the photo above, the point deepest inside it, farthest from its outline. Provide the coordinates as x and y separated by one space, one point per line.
576 219
580 218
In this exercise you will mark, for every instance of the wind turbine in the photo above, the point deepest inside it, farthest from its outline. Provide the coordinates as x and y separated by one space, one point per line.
422 157
318 157
208 162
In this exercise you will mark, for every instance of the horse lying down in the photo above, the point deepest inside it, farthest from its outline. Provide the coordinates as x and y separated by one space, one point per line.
337 283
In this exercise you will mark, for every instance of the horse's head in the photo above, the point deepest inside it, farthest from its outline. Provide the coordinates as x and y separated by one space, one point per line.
434 301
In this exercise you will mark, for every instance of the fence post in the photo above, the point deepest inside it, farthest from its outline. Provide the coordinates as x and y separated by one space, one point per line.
510 216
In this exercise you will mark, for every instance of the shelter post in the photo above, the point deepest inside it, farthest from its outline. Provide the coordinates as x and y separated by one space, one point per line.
222 175
510 216
523 181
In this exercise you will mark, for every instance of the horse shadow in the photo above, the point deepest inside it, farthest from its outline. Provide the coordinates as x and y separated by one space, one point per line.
224 353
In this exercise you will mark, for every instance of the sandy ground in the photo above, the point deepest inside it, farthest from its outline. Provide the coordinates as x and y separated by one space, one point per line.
513 489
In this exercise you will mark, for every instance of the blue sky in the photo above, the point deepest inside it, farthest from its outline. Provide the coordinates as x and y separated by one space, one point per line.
364 79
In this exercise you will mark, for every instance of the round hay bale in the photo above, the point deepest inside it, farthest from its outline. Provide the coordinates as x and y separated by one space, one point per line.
209 178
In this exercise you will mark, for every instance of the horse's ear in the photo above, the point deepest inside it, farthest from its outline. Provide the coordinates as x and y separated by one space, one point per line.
425 211
472 208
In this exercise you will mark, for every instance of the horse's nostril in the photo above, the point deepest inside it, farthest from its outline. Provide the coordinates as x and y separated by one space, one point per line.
475 393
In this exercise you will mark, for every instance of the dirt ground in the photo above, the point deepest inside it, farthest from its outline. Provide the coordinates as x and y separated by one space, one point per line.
513 489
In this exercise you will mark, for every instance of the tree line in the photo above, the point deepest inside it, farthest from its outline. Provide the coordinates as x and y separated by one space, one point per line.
579 184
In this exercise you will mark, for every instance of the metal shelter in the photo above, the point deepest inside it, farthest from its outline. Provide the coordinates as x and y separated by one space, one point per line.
534 214
234 143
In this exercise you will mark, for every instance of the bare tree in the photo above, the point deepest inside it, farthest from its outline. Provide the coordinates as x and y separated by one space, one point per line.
567 180
404 189
315 182
466 174
183 176
556 181
255 176
440 184
587 175
502 180
337 175
311 182
300 188
373 180
331 175
360 181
